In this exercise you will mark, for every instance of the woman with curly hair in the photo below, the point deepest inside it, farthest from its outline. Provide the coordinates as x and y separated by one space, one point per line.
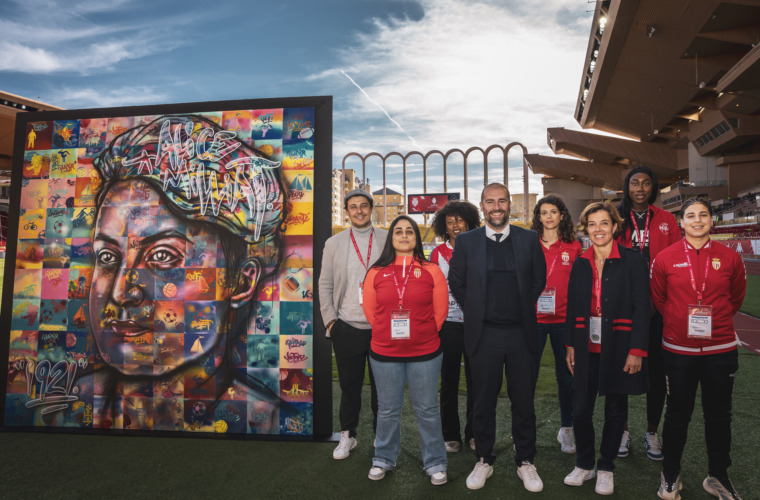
553 223
454 218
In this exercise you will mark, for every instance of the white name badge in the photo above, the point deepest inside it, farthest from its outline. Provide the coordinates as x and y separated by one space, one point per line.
401 324
700 322
595 330
361 293
546 301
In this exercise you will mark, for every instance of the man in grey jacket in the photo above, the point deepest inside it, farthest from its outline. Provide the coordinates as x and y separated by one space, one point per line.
345 261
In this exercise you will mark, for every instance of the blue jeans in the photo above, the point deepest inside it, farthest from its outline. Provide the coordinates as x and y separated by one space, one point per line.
422 378
556 334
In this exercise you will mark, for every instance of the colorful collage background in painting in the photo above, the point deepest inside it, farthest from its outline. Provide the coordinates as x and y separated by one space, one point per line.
164 274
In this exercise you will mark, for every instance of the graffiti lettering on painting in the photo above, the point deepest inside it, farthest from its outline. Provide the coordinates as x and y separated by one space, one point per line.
56 382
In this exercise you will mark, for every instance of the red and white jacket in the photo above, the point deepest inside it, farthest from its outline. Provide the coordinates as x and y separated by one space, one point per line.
426 297
672 293
559 261
663 232
441 255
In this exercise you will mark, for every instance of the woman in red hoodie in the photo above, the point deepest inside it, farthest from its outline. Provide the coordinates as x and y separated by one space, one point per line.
698 285
406 300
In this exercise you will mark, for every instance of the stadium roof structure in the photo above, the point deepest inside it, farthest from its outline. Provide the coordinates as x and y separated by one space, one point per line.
670 75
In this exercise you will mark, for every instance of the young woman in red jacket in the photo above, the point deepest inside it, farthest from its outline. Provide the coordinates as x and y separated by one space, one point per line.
454 218
406 300
649 230
554 225
606 335
698 285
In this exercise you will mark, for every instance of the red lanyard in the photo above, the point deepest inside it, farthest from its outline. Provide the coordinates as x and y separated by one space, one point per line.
691 271
554 262
369 249
597 288
401 291
642 236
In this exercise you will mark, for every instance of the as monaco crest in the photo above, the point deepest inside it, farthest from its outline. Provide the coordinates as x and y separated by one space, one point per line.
418 273
565 257
664 228
716 263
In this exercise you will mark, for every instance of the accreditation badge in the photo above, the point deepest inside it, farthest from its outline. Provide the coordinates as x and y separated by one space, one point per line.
700 321
401 324
361 292
546 301
595 330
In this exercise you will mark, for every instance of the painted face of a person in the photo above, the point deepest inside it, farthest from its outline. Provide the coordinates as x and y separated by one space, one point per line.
153 301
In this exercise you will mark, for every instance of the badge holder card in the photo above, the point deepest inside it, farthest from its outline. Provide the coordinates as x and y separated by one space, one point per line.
546 301
700 321
401 324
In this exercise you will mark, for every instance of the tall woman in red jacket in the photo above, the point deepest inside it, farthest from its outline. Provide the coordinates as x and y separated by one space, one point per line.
698 285
606 335
406 300
649 230
553 223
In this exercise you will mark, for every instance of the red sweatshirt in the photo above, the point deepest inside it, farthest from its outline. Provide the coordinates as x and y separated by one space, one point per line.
559 261
427 298
672 293
663 232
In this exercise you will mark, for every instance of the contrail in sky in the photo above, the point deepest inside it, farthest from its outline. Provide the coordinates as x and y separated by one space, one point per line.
381 109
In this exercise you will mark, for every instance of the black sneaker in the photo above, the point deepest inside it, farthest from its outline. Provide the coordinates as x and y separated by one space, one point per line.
670 490
721 488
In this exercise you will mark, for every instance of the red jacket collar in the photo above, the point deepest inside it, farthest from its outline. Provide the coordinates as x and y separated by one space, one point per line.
589 253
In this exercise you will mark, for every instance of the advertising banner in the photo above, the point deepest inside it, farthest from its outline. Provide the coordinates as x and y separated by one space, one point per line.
429 203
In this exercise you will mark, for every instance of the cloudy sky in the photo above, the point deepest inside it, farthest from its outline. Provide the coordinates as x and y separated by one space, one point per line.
405 75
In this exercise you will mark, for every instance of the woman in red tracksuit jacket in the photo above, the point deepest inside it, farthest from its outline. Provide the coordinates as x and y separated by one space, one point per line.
698 285
406 300
649 230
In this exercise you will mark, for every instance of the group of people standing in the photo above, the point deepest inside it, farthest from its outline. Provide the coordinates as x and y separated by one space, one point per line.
494 294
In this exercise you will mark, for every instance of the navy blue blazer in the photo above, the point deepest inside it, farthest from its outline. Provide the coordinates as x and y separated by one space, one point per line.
468 281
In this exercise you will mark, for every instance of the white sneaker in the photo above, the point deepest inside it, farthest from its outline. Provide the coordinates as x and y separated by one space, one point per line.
438 478
376 473
566 438
579 476
652 446
605 485
529 475
345 445
472 444
478 476
452 446
625 444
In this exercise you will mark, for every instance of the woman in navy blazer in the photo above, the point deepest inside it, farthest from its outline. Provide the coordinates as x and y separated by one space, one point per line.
607 330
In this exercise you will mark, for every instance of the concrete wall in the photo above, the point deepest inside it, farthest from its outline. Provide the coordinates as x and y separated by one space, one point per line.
575 194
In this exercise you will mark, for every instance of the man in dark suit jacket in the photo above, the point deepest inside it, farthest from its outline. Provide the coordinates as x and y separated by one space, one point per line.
496 275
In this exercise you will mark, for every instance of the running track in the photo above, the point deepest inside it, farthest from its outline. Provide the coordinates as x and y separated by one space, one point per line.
747 327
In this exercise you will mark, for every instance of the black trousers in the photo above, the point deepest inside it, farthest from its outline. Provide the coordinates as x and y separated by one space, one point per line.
452 343
716 374
615 411
351 346
507 350
656 367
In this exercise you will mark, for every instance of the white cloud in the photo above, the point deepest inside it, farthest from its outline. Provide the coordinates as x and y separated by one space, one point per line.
124 96
465 74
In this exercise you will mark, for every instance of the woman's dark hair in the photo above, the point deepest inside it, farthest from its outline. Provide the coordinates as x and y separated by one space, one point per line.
388 255
598 207
566 229
464 209
626 205
699 200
